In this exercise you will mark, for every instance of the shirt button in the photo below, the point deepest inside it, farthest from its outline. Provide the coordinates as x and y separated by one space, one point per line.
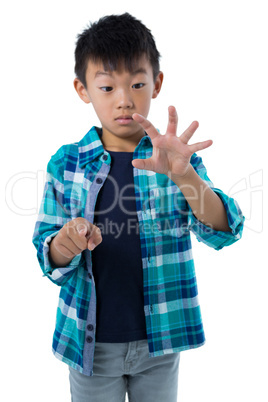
90 327
89 339
89 275
105 157
99 180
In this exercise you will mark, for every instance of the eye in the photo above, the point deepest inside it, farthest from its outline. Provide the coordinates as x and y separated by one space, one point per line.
106 89
138 86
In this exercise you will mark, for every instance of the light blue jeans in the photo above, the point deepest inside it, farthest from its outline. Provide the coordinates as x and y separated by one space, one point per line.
121 368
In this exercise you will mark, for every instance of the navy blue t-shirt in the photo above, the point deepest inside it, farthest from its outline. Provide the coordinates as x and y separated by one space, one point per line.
116 262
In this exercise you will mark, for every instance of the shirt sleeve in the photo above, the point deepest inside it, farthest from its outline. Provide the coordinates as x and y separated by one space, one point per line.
214 238
52 217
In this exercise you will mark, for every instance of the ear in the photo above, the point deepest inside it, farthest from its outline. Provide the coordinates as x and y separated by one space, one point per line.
81 90
158 84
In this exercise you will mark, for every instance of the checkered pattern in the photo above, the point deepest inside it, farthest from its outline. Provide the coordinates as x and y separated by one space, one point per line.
172 311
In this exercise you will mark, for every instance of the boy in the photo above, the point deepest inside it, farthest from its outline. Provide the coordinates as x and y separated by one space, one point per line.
114 227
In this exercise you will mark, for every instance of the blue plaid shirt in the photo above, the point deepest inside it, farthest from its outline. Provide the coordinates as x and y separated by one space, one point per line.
75 175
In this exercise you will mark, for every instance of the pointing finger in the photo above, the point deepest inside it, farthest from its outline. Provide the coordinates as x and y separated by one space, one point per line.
146 124
189 132
95 238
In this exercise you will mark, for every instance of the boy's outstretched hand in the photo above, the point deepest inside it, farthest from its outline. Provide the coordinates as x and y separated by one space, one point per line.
171 154
73 238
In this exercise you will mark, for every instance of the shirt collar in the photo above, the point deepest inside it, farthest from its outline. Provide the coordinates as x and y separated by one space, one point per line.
90 147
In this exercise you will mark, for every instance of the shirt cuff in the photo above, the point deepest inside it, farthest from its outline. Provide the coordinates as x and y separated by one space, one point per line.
216 238
58 275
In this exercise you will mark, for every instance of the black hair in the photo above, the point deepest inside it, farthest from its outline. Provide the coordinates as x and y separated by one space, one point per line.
113 39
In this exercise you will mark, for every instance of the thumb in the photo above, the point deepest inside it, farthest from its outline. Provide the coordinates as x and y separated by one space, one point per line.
142 164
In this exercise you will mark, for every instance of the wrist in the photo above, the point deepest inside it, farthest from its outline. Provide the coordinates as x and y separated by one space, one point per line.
183 179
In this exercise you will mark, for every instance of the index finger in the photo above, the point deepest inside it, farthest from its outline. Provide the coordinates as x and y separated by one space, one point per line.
189 132
146 124
95 238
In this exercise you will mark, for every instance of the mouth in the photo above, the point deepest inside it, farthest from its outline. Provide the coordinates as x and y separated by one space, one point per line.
124 119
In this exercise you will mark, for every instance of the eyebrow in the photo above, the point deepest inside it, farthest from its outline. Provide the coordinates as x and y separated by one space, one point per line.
140 70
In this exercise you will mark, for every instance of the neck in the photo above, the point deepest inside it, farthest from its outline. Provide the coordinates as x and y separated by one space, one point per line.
120 144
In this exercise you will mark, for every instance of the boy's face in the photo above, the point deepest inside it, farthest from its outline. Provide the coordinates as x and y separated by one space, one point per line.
115 96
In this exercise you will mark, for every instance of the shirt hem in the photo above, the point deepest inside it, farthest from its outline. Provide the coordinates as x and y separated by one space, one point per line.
71 364
175 350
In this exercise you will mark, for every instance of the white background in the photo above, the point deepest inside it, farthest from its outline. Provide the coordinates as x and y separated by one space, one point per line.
214 57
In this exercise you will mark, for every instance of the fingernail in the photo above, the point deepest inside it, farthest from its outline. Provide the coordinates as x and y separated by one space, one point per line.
92 245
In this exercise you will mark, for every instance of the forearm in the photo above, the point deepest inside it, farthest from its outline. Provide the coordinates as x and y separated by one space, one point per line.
204 202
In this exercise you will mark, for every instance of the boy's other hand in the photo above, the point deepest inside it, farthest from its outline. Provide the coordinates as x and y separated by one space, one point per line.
171 154
74 237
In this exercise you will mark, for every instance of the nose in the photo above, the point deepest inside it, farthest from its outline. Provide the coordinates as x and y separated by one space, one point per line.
124 99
